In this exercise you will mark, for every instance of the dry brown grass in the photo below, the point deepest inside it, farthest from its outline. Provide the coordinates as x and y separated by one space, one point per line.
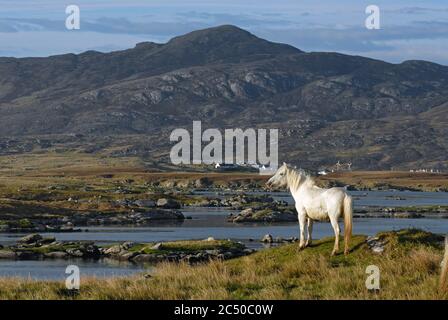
397 179
408 271
37 170
281 273
444 272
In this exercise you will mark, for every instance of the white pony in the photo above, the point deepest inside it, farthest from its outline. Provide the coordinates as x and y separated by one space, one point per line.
314 203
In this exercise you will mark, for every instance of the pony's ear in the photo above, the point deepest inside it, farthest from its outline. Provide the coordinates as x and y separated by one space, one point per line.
284 163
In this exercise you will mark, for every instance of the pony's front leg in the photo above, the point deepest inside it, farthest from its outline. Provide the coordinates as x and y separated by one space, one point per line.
309 232
302 222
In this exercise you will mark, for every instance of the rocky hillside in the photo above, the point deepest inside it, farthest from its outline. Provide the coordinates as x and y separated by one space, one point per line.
328 106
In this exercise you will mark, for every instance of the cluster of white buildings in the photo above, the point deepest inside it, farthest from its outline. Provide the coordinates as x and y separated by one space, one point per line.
425 171
336 168
262 169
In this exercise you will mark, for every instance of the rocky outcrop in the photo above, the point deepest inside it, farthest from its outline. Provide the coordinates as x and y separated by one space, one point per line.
10 226
264 215
30 239
375 244
35 246
237 202
244 200
207 203
260 209
399 212
67 223
145 203
269 239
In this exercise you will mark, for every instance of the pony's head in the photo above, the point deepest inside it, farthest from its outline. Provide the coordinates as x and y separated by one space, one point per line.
289 177
279 178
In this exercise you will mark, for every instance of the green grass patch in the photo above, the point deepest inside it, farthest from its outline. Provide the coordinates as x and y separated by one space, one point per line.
187 246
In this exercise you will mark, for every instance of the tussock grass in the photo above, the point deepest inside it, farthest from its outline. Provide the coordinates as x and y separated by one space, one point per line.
409 266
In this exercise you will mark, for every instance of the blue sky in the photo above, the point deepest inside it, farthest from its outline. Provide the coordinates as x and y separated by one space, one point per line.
412 29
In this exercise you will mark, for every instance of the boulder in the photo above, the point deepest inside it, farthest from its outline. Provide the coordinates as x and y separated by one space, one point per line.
127 245
157 246
113 250
56 255
91 251
6 254
192 258
267 239
126 255
158 214
75 253
145 203
247 212
208 203
375 244
264 215
168 203
203 183
31 238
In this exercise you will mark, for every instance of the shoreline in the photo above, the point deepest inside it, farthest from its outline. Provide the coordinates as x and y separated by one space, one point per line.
35 247
254 208
382 212
408 258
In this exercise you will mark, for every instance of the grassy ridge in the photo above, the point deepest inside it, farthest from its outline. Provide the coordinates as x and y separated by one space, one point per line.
75 170
409 266
389 180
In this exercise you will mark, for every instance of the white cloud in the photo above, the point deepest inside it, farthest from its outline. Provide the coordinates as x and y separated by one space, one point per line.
306 24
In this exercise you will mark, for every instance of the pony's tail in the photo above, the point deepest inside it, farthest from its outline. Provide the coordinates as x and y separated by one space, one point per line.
348 214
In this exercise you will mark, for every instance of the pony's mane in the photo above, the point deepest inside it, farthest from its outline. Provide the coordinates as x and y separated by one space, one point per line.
303 172
295 174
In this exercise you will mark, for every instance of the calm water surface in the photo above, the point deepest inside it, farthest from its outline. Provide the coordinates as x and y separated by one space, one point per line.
212 222
369 198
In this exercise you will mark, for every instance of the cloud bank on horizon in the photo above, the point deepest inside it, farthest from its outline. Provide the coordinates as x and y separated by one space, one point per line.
410 29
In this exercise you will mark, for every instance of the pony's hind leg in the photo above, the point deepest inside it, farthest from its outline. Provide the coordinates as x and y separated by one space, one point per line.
309 232
335 225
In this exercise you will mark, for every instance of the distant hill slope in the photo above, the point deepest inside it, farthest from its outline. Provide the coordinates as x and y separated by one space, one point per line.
329 106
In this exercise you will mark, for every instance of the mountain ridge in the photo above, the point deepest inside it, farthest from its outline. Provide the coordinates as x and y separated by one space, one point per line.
328 106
